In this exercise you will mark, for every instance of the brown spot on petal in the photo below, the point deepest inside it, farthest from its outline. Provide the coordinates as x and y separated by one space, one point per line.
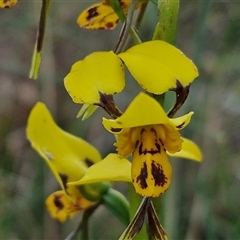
158 174
57 202
64 179
181 125
116 129
92 12
88 162
109 25
141 179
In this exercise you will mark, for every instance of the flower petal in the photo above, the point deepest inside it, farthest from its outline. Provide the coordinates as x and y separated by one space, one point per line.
181 122
111 168
8 3
151 170
98 72
61 207
67 156
190 150
143 110
98 16
157 65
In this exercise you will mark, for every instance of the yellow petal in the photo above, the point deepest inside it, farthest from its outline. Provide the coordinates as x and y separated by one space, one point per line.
151 170
7 3
98 16
61 207
181 122
189 150
126 141
99 72
67 156
143 110
111 168
157 65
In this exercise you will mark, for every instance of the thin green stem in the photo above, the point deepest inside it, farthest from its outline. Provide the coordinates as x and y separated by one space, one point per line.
83 224
140 15
127 28
166 31
166 27
36 58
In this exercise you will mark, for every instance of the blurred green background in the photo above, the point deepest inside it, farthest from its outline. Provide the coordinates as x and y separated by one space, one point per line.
204 199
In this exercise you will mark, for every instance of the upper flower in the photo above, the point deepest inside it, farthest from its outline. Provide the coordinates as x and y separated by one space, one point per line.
101 15
145 131
156 65
8 3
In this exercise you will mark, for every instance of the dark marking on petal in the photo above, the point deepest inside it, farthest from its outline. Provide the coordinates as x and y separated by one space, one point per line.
58 203
92 12
180 126
140 151
158 147
154 131
88 162
151 151
136 144
143 130
64 179
158 174
116 129
160 140
109 25
141 179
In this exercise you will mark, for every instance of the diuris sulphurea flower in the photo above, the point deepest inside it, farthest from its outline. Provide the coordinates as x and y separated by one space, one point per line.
70 158
101 15
145 132
7 3
156 65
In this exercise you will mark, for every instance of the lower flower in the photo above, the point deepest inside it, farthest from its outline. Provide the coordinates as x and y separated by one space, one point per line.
145 132
70 159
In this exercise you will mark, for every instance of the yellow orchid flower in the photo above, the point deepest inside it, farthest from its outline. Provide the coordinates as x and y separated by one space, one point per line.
156 65
101 15
67 156
7 3
145 131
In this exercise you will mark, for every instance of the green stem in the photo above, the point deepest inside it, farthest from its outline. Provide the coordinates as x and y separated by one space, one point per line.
36 58
166 27
83 225
166 31
141 12
127 28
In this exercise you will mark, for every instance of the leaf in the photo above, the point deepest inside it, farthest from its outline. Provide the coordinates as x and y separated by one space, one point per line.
116 202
